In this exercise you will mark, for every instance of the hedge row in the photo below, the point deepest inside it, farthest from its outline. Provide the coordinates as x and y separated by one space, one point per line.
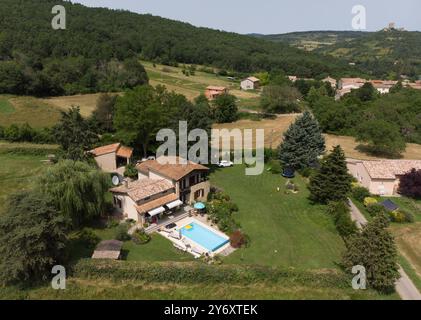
201 273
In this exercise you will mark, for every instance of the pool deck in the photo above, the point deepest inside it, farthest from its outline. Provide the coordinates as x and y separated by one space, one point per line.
191 246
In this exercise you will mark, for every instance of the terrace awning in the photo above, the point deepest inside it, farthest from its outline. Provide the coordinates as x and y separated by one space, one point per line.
156 211
174 204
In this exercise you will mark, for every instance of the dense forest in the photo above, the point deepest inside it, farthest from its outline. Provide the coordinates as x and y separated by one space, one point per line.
96 51
383 54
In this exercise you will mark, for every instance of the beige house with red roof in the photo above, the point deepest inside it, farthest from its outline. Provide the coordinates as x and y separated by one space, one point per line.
189 179
251 83
381 177
163 186
213 91
145 200
113 157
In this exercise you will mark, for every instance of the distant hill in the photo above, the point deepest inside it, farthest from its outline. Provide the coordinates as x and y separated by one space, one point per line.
385 54
97 35
311 40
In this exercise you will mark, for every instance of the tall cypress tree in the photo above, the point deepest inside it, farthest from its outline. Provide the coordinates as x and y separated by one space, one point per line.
332 182
375 249
303 143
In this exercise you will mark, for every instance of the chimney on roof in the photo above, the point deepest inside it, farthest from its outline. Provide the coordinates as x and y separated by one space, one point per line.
126 183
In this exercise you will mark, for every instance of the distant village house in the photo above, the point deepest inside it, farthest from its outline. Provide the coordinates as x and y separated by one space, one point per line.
251 83
212 92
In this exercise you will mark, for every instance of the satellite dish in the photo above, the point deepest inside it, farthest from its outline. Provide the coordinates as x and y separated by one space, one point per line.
115 180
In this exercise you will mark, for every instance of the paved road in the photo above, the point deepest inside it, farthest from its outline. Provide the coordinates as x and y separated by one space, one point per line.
404 286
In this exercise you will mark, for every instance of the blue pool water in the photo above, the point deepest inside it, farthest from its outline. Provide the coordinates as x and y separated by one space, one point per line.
203 236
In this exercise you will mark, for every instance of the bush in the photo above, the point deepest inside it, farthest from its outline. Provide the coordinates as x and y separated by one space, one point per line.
275 166
238 239
131 171
88 237
401 216
342 219
376 209
112 222
141 237
409 217
360 193
122 232
306 172
369 201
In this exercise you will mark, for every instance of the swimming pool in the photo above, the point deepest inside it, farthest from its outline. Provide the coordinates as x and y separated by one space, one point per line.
203 236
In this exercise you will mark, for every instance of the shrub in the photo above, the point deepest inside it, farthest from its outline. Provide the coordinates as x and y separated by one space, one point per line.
401 216
122 232
112 222
369 201
409 217
339 210
376 209
131 171
306 172
275 166
141 237
410 184
360 193
238 239
88 237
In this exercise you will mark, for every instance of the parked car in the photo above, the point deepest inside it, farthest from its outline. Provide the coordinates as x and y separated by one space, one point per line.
225 164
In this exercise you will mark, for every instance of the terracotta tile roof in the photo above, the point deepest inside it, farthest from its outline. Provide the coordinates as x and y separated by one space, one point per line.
352 80
173 169
389 169
143 208
125 152
141 189
121 151
105 149
253 79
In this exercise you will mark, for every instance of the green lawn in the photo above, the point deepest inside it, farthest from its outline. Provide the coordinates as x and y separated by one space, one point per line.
285 230
17 173
5 106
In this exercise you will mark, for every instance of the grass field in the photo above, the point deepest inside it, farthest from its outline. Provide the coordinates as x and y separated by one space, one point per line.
285 230
193 86
84 289
18 170
274 129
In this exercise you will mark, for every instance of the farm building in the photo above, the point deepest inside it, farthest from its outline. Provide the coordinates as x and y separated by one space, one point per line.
251 83
212 92
113 157
381 177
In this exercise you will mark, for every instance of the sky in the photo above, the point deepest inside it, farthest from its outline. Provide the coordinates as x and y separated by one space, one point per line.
275 16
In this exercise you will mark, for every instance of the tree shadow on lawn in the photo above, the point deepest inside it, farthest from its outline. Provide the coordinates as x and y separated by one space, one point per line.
375 152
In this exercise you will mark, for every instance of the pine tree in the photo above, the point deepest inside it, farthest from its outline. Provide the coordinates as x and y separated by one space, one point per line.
303 143
375 249
332 182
